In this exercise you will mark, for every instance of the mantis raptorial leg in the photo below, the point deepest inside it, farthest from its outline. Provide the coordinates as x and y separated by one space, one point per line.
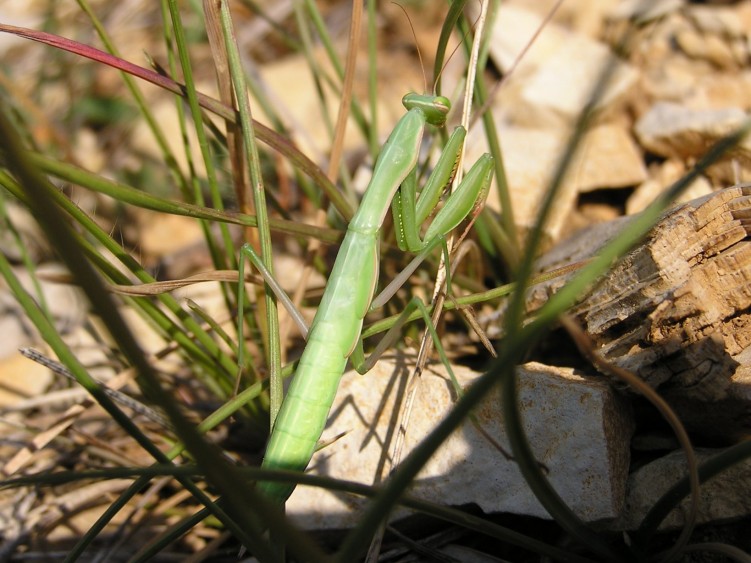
335 333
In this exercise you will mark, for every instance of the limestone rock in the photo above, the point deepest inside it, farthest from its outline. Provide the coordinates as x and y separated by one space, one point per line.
665 175
529 178
724 497
721 90
718 35
608 158
566 82
671 130
561 67
515 26
578 427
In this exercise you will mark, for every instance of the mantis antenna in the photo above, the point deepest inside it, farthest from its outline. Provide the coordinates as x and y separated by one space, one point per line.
417 48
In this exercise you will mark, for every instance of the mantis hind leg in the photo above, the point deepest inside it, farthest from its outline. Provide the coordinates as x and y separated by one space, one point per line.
247 253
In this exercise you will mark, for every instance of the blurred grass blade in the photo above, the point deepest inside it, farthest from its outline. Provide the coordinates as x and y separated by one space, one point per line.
456 7
139 198
273 352
268 136
220 473
140 100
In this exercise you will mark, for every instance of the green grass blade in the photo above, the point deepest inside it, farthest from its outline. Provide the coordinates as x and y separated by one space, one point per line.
139 198
268 136
511 251
456 7
273 354
178 34
138 97
217 356
28 263
52 222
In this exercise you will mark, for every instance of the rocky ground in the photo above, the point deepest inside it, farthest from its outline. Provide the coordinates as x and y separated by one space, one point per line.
675 312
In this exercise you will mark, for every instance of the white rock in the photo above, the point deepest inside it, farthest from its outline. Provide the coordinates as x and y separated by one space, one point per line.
566 81
725 496
608 158
561 67
584 16
514 28
667 173
675 79
578 428
720 90
674 131
529 177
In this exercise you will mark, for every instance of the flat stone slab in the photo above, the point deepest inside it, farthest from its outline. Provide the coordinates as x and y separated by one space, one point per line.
608 158
579 428
671 130
725 497
561 67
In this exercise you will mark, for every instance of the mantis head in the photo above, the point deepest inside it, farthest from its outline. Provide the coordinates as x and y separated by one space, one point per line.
435 108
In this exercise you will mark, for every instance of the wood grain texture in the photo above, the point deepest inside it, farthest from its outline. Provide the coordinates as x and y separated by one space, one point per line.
675 310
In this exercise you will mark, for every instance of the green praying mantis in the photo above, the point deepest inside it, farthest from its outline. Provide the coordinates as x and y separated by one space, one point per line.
334 336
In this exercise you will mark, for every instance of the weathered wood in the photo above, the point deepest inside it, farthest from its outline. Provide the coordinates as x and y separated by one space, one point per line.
675 310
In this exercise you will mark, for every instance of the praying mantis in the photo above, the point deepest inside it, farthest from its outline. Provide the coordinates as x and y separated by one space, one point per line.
334 336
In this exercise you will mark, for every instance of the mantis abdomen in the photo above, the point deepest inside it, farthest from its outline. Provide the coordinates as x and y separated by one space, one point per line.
332 337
